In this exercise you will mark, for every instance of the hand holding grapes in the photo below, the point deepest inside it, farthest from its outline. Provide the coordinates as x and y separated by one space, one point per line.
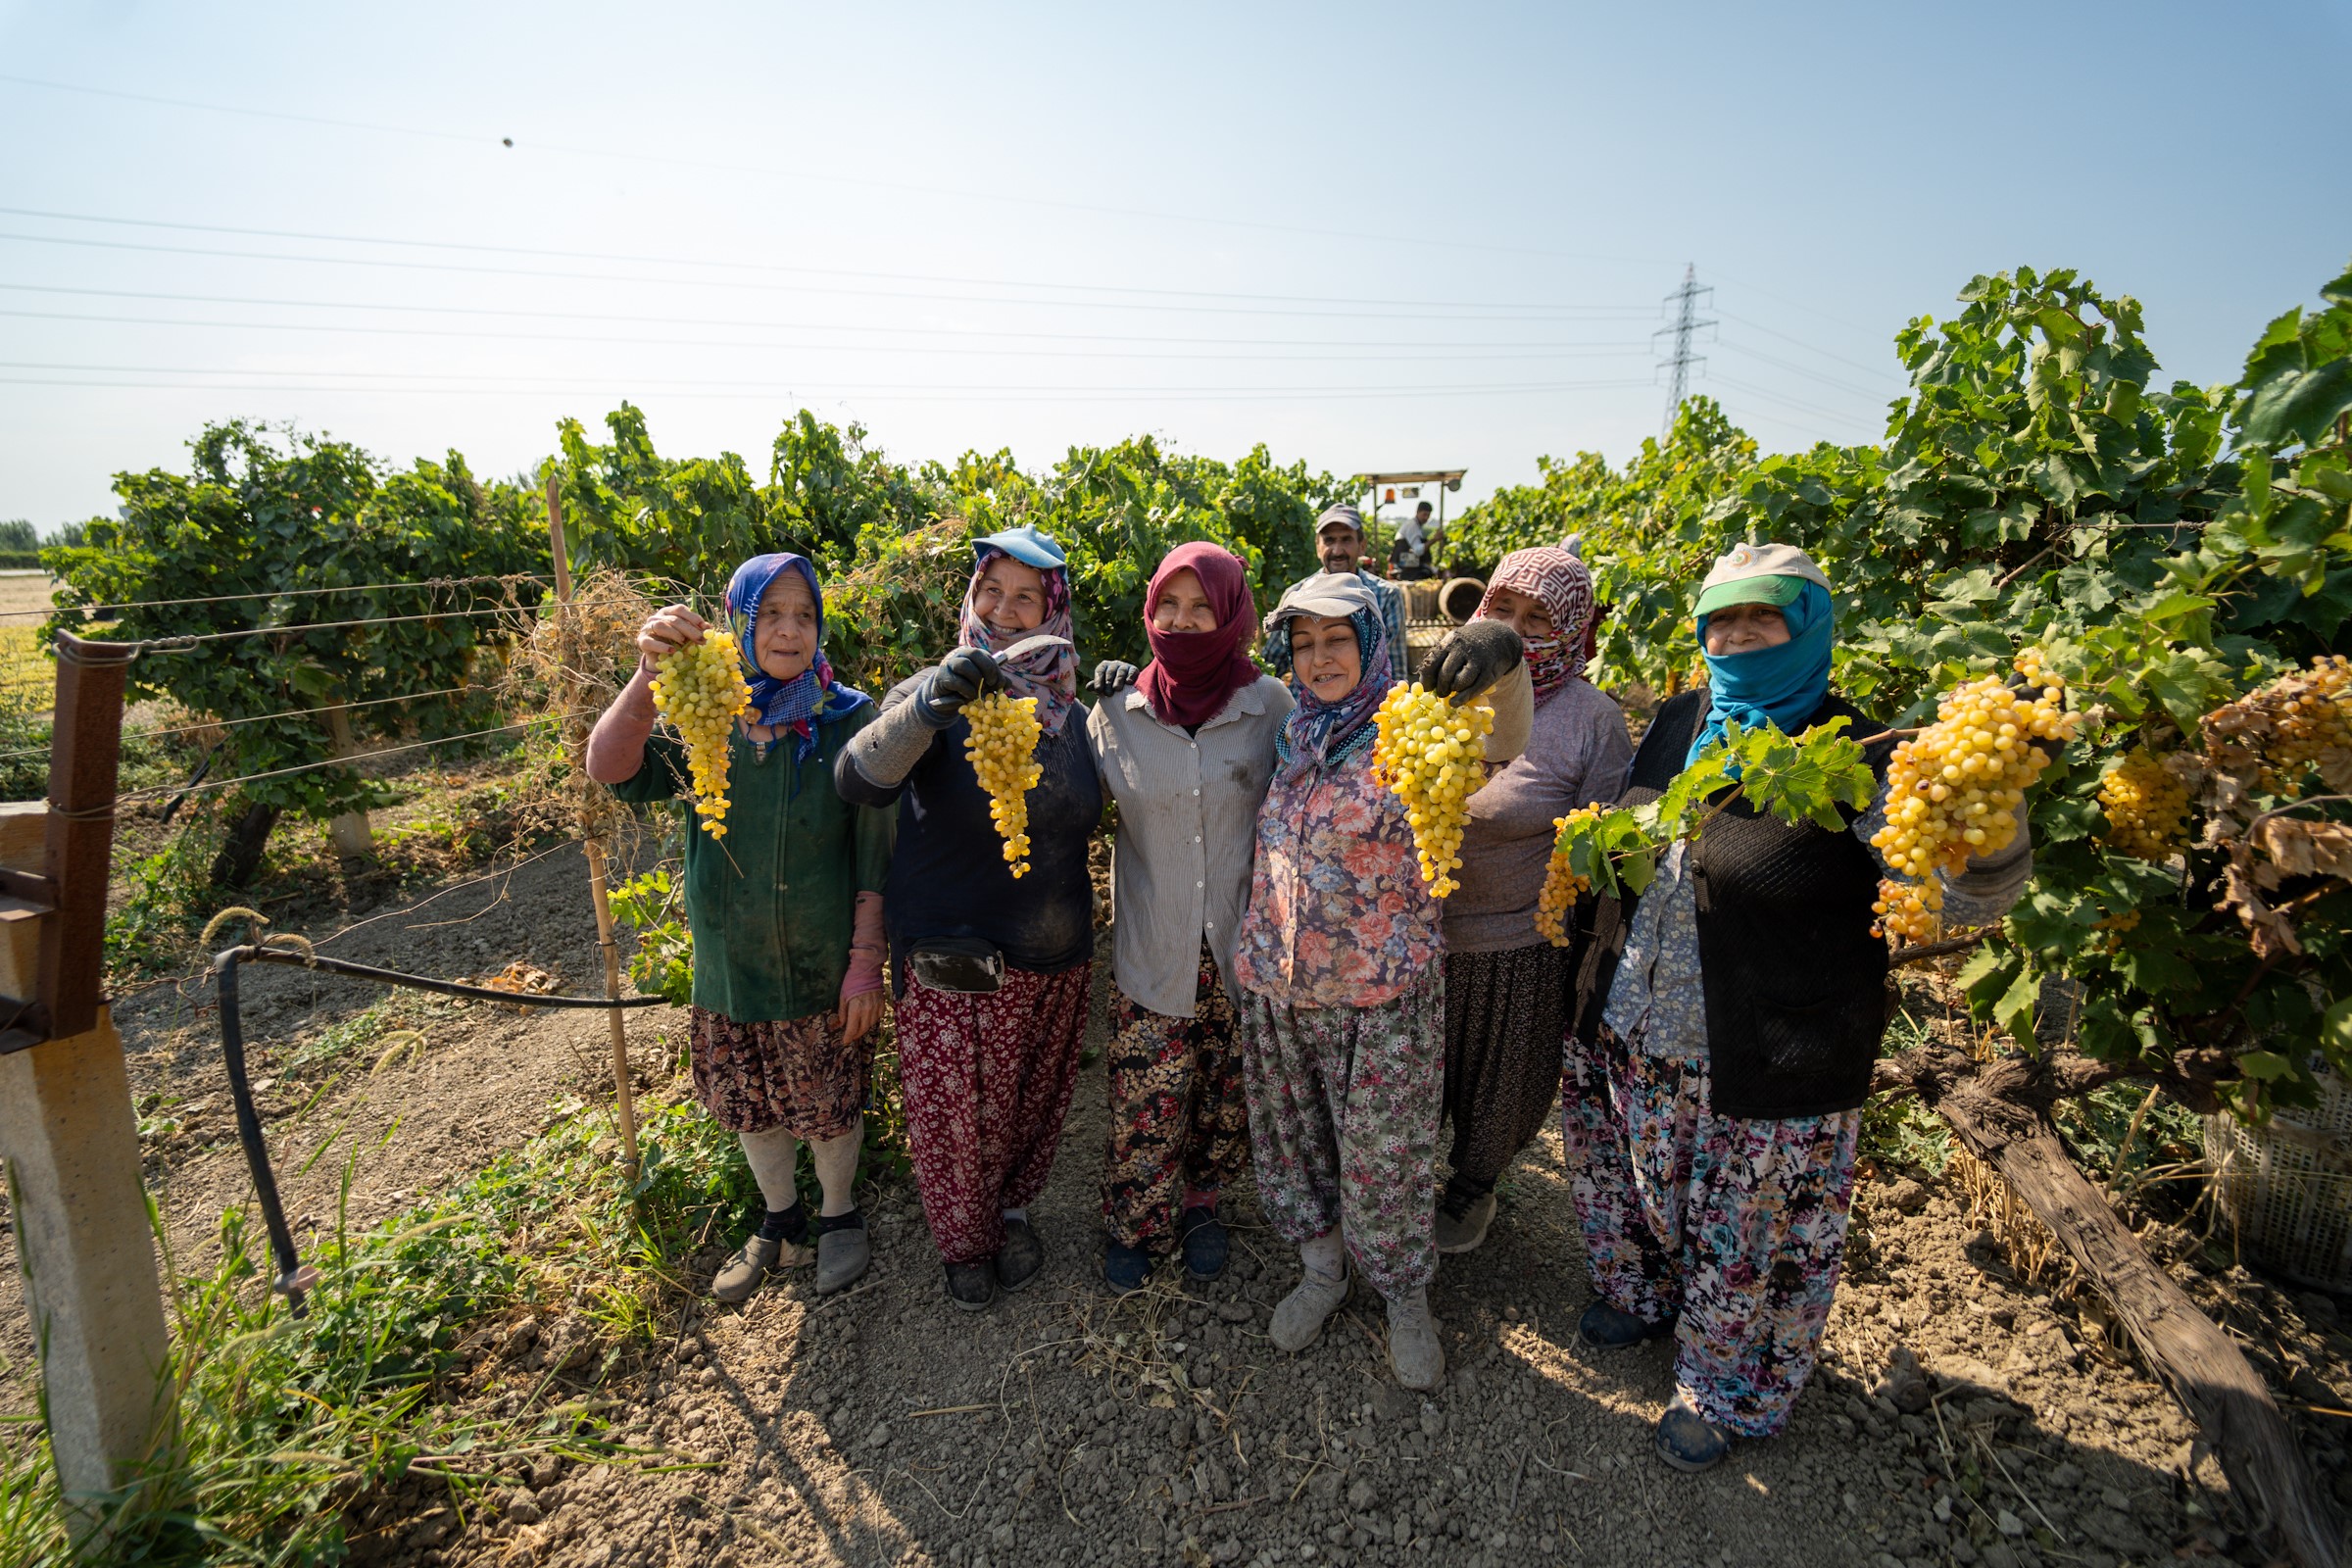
665 631
958 680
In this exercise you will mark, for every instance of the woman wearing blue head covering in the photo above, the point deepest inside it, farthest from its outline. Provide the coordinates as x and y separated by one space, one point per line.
786 913
1725 1027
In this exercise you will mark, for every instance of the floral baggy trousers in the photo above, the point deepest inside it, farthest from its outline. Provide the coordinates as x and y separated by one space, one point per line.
1343 1106
986 1081
1179 1120
1738 1226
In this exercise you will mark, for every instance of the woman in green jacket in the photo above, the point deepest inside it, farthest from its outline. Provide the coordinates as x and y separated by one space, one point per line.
786 913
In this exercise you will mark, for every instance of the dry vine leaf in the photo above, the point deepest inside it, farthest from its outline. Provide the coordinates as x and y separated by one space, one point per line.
523 979
2302 848
2268 931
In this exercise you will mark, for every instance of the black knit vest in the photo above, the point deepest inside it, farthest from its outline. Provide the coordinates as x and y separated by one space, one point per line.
1798 996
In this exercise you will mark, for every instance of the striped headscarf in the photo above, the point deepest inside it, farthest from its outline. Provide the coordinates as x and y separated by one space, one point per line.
1564 586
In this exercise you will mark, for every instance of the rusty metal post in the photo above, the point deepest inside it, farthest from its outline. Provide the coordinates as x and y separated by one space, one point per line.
68 1131
624 1100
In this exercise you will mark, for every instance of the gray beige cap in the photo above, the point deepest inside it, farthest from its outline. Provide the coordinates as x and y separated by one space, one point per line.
1342 515
1756 574
1326 593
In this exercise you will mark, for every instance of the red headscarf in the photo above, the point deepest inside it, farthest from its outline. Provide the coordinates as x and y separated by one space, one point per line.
1193 673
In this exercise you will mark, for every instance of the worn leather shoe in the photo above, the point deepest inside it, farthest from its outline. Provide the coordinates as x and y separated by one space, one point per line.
1022 1256
1604 1328
842 1256
739 1278
1687 1441
972 1286
1206 1243
1125 1269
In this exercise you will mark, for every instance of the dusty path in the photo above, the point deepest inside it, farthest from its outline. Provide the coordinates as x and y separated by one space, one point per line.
1063 1426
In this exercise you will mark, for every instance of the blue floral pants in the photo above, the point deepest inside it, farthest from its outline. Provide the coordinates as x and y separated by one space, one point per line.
1738 1226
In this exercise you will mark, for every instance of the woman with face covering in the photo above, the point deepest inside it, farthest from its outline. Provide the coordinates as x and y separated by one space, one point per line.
991 971
1507 988
1727 1020
1186 751
787 916
1342 998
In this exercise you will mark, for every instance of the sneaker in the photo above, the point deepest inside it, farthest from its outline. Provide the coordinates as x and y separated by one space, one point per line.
1021 1259
1687 1441
1125 1269
842 1256
1414 1353
1299 1316
1604 1328
1206 1243
972 1286
738 1279
1462 1232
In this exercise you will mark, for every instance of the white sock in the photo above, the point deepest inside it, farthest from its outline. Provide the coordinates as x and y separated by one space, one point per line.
772 1156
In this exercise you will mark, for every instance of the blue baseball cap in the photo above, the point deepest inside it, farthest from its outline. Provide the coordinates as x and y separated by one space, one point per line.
1025 545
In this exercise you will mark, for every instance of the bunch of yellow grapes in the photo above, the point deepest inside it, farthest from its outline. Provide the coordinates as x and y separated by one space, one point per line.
1953 789
1002 747
1432 753
1562 887
700 687
2299 720
2146 806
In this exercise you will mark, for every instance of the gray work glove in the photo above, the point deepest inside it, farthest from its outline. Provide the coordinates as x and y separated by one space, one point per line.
1113 676
1472 657
960 678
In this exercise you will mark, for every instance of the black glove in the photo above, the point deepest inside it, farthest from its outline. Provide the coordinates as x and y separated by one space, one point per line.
1113 675
960 678
1472 657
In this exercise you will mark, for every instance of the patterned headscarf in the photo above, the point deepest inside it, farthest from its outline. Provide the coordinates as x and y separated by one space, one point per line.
810 698
1564 586
1052 676
1320 734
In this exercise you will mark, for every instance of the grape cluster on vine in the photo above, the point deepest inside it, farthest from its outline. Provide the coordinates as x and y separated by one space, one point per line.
2146 805
1955 789
1562 887
1432 753
700 689
2299 721
1002 747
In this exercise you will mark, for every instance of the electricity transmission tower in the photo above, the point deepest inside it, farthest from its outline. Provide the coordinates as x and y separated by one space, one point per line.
1684 302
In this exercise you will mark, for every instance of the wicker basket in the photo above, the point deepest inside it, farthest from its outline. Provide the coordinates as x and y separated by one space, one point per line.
2286 1188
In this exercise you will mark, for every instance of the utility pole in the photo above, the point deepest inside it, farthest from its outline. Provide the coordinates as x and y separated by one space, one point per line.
1684 304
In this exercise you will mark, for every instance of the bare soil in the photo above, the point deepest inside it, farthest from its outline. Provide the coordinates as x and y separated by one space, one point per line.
1063 1426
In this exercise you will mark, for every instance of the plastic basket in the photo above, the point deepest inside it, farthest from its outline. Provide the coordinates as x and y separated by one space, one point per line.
2287 1189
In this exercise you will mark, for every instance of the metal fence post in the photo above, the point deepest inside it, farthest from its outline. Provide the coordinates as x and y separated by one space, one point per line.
68 1131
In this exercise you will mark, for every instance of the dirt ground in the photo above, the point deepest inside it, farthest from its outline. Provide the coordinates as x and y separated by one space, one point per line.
1065 1427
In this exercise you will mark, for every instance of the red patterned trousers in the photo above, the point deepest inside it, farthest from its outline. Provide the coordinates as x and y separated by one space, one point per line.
986 1081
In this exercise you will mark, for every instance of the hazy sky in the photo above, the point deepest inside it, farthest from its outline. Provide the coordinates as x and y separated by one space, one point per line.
1367 236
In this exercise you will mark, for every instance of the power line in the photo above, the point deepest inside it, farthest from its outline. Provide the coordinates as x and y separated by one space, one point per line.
713 320
886 394
1605 349
1684 301
991 197
635 259
1795 369
1496 313
1811 347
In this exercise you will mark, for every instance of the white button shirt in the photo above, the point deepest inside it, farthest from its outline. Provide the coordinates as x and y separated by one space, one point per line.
1188 823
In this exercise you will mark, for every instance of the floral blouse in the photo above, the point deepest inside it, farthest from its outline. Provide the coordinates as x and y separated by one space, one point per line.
1339 915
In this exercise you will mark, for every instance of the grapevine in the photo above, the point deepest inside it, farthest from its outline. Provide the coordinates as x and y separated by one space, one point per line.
1002 747
2299 721
1430 752
1562 884
1955 789
2146 805
700 689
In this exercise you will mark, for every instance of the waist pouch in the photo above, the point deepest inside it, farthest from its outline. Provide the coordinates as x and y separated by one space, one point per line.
965 964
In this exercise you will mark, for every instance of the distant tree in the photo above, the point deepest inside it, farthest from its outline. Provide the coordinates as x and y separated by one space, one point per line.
72 535
15 533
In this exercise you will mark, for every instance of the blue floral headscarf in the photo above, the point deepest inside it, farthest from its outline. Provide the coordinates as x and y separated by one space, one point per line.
812 697
1320 734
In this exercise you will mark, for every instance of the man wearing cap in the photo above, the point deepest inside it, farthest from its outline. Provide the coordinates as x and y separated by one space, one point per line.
1726 1022
1340 545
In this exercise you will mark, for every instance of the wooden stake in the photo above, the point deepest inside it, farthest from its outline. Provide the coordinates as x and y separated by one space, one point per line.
625 1102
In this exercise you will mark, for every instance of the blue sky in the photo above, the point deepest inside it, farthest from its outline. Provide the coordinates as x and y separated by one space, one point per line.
1367 236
